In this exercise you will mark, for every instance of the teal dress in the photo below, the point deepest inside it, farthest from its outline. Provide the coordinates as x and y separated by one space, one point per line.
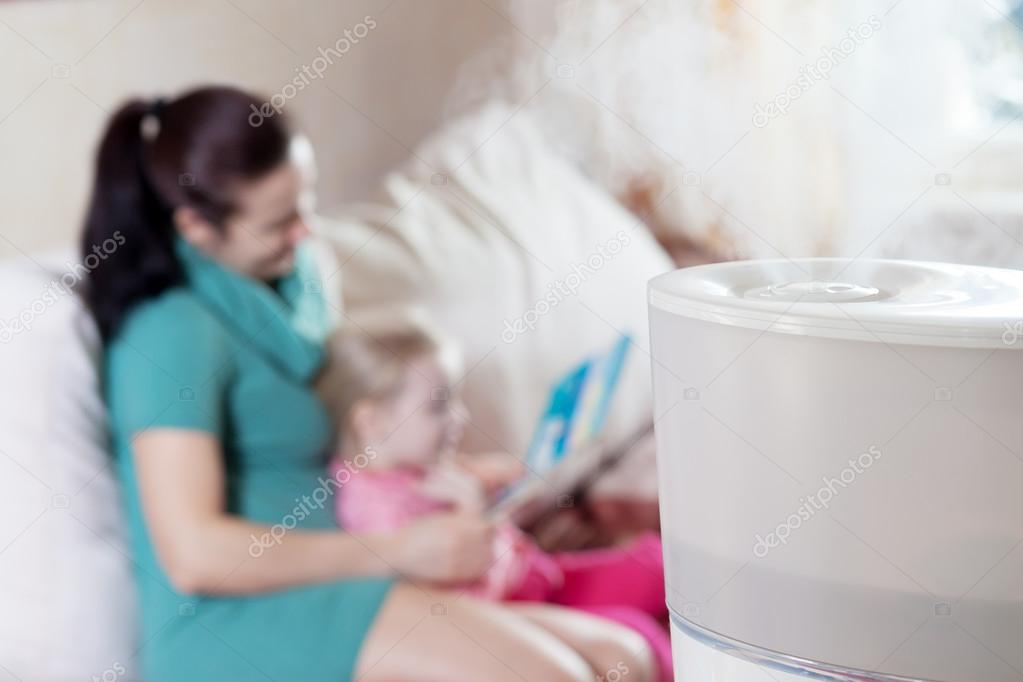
230 356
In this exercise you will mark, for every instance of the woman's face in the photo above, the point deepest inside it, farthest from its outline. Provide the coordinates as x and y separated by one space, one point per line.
259 239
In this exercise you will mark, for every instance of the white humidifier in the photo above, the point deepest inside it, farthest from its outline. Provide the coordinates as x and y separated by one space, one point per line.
840 448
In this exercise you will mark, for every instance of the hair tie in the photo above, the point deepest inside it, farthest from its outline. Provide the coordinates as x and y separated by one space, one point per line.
150 125
157 106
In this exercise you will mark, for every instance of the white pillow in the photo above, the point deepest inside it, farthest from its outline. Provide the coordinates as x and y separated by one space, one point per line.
477 229
68 599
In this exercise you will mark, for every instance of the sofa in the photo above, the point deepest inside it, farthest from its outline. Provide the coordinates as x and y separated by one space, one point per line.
475 229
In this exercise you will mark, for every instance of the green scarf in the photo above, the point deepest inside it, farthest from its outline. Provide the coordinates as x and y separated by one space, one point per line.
287 326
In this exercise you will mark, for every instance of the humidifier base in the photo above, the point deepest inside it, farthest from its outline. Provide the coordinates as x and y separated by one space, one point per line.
702 655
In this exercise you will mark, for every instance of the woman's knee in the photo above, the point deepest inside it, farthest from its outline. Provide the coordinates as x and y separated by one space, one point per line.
612 650
520 647
436 636
564 665
622 653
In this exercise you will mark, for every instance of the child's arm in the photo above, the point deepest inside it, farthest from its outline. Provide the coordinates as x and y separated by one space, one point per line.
451 484
495 470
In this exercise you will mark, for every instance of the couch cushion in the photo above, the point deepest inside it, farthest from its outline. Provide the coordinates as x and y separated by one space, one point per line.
519 256
68 597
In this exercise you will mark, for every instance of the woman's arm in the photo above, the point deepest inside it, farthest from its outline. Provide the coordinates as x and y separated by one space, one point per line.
204 549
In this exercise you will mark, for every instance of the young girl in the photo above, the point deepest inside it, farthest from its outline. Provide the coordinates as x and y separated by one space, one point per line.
388 386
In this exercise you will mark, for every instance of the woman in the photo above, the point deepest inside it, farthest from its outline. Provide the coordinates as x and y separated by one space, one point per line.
212 338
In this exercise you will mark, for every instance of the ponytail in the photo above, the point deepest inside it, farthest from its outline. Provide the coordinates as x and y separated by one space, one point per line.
126 208
156 157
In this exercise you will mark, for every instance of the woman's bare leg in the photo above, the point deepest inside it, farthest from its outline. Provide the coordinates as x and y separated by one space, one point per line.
608 647
428 635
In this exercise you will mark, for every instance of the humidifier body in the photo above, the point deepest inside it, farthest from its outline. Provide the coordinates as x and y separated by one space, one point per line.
840 453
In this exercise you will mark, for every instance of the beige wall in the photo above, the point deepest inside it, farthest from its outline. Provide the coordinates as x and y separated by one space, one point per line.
68 63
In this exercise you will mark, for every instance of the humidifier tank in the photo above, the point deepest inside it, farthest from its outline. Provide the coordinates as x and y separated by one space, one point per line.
840 453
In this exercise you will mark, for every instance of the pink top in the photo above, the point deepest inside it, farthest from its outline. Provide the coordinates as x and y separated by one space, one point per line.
383 500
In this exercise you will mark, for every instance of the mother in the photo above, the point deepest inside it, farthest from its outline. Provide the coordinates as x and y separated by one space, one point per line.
212 337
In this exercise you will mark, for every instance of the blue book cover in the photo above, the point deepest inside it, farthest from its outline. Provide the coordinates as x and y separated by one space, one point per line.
577 408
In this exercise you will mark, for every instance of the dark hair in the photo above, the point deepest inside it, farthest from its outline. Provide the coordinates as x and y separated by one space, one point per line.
155 157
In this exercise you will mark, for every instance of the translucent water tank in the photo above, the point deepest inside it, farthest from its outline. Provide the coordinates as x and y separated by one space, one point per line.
840 450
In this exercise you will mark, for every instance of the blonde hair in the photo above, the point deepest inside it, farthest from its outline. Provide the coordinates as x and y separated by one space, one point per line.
370 358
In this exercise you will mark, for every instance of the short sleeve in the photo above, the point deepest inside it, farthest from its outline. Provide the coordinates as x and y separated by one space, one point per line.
169 367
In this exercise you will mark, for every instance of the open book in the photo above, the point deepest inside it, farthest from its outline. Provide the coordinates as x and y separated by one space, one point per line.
567 454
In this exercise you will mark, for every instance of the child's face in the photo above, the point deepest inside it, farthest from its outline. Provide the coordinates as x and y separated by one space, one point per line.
415 427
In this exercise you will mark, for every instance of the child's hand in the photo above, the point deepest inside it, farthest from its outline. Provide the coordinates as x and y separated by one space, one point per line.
495 470
447 482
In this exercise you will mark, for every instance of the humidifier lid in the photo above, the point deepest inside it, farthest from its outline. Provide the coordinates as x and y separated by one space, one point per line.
886 301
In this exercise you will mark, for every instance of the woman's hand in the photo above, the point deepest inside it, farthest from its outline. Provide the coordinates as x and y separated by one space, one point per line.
445 548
